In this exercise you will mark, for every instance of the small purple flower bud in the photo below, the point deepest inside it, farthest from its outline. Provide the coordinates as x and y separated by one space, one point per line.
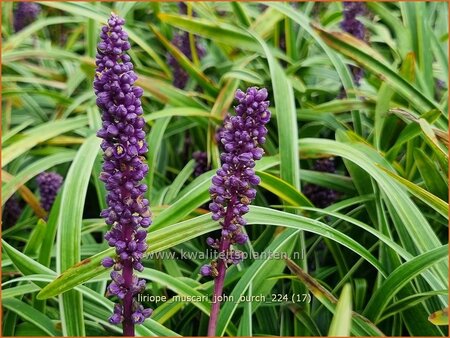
255 180
214 207
116 318
137 317
108 262
235 257
138 266
140 314
205 270
241 238
140 235
147 312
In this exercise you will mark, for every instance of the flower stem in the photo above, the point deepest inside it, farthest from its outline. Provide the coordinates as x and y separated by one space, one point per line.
224 247
218 288
128 324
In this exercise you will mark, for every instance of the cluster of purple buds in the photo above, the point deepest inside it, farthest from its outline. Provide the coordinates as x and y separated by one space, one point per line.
49 185
353 26
11 211
201 163
181 41
325 165
231 190
321 197
124 147
25 13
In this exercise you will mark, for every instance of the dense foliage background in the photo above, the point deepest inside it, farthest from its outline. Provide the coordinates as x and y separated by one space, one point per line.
385 237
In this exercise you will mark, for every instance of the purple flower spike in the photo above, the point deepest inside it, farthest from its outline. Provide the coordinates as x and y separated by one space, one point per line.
25 13
124 167
321 197
353 26
201 163
231 190
11 211
350 24
49 184
181 41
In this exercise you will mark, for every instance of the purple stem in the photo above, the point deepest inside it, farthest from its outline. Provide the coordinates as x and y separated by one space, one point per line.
128 325
127 274
218 287
224 246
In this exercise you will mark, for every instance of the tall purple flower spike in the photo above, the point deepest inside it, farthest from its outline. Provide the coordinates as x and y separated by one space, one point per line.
124 167
11 211
321 197
231 190
25 13
353 26
181 41
201 163
49 184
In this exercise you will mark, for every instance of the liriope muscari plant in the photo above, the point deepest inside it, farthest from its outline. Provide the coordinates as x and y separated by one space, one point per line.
124 167
49 184
231 190
25 13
